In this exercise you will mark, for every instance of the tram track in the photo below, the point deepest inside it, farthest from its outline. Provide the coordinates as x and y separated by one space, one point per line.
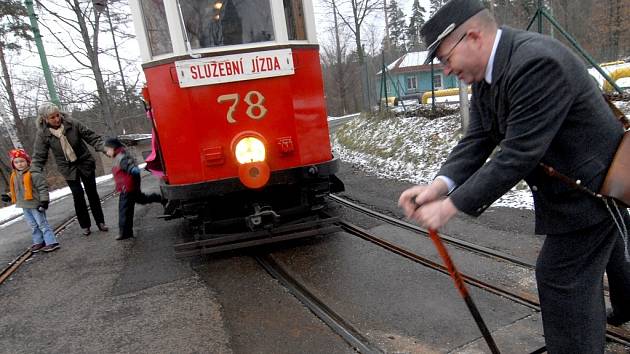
486 251
615 334
344 328
12 266
465 245
330 317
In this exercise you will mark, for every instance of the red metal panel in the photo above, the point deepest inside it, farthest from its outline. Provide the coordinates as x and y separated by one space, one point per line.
197 135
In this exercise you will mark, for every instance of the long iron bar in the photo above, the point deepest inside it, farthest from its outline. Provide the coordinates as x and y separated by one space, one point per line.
461 287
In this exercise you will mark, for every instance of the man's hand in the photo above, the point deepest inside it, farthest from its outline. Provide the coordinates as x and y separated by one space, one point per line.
5 198
417 196
43 206
434 215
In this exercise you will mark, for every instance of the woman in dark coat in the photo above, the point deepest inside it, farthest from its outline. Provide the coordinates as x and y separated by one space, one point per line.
67 139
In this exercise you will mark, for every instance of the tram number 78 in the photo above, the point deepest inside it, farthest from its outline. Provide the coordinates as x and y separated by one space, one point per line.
254 100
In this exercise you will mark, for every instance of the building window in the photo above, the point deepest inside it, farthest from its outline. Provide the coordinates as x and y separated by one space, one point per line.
294 14
412 84
213 23
156 26
437 81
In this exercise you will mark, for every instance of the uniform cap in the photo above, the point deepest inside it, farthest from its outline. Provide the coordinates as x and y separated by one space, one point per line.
445 20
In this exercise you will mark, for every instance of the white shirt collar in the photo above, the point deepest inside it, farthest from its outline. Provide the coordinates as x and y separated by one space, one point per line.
490 65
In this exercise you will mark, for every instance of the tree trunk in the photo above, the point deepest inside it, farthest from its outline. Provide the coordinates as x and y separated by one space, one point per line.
19 125
361 57
341 82
122 76
92 50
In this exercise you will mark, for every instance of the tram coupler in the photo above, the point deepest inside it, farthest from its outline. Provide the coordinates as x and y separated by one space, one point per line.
263 218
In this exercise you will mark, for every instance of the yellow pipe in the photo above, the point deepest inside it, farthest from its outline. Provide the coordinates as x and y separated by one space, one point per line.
612 63
391 100
441 93
616 74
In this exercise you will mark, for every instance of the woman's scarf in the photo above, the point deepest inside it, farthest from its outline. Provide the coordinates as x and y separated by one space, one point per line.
68 151
28 186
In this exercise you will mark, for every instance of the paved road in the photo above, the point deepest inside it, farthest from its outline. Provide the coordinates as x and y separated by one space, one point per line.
100 295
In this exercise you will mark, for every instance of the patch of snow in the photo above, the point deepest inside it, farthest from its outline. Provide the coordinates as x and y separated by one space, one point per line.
420 147
413 149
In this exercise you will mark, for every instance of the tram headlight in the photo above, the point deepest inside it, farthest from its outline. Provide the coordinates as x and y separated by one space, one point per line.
249 150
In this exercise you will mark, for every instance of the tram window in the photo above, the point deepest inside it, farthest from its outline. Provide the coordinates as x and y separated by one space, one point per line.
294 14
212 23
156 27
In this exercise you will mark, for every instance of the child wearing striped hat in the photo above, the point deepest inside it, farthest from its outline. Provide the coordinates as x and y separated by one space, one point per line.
30 192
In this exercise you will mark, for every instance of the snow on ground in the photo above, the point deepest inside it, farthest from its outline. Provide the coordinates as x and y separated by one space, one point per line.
408 149
412 149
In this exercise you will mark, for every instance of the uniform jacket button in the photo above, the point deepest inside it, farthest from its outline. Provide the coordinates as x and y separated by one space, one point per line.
535 188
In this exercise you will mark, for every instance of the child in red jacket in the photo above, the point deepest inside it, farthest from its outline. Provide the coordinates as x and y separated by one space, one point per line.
30 192
127 178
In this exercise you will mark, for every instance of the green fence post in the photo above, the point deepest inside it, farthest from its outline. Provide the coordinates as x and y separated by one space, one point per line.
42 53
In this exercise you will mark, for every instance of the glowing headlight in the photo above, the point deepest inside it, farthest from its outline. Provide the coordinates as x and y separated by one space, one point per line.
249 150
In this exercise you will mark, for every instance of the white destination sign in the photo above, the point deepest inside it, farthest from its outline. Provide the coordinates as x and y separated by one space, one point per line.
236 67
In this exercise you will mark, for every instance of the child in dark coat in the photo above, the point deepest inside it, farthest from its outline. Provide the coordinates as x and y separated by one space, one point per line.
127 177
30 192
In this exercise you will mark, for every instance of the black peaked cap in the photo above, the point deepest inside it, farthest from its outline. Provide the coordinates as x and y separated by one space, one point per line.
445 20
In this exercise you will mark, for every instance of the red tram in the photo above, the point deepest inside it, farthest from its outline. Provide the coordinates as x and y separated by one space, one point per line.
236 95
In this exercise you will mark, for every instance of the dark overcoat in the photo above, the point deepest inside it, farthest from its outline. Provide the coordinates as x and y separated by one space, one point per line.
542 106
78 135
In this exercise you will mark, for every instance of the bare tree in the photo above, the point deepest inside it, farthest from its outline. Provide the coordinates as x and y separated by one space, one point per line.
337 69
360 10
84 49
340 52
353 13
13 31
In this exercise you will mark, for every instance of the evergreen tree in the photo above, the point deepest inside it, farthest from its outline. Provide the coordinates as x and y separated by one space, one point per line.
397 26
416 21
436 4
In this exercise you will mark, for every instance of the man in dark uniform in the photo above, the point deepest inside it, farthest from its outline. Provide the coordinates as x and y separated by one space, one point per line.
533 101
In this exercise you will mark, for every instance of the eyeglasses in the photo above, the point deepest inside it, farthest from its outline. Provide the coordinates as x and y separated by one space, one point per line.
444 60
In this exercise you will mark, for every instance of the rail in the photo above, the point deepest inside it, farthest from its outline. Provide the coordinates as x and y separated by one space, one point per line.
616 334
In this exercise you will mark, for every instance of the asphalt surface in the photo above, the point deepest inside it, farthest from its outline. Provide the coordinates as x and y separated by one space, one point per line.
508 230
260 315
97 294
